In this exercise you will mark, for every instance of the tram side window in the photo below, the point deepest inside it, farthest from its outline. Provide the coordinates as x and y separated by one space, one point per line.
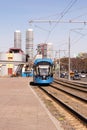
51 70
35 71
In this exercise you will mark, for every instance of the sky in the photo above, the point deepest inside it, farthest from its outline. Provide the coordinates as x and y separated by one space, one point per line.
15 15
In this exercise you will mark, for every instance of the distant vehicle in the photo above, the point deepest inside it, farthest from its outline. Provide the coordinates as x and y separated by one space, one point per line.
43 71
62 75
72 74
82 75
76 76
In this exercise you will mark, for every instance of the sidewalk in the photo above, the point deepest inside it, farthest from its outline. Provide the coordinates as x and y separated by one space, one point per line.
21 109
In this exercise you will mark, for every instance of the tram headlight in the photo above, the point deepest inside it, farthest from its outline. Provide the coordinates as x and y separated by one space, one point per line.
44 76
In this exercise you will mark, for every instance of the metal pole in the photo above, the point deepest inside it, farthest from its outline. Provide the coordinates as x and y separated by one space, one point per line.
59 63
69 47
69 57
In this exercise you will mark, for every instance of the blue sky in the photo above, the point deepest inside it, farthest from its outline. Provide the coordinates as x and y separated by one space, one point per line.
14 15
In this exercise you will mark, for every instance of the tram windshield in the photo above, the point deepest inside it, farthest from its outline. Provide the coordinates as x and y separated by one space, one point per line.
43 70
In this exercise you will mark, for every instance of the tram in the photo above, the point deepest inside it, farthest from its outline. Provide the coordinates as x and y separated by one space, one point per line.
43 71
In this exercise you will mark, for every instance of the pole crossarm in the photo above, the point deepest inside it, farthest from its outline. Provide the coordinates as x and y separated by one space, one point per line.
56 21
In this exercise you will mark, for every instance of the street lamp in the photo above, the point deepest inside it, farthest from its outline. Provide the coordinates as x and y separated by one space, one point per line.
69 48
69 56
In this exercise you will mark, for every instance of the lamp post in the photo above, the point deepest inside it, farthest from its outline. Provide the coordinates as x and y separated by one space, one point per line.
69 57
69 48
59 63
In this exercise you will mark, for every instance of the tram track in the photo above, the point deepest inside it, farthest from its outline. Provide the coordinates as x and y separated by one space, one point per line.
66 104
72 82
70 91
72 98
78 86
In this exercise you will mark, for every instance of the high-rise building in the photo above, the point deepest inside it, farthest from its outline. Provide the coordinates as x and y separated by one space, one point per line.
50 50
46 49
29 43
42 49
17 39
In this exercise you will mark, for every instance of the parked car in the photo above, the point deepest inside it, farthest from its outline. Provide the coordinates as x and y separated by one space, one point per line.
82 75
62 75
76 77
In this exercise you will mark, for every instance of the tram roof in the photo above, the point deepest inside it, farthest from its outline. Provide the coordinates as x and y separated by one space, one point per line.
43 60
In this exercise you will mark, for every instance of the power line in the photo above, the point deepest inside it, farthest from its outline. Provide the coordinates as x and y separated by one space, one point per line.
80 16
82 35
63 13
42 28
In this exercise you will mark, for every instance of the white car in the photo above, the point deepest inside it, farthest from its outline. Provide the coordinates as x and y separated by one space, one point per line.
83 75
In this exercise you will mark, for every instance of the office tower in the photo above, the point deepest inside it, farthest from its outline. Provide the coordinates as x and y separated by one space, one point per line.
46 49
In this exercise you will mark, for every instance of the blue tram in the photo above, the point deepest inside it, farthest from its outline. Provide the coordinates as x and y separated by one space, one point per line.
43 71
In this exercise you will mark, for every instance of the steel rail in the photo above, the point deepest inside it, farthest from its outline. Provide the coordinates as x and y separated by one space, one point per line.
73 95
67 84
70 109
78 84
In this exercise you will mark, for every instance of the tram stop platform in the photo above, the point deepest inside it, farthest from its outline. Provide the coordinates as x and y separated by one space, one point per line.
21 108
